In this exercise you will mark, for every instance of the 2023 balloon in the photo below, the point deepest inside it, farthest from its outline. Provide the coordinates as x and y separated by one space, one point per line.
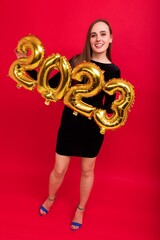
72 95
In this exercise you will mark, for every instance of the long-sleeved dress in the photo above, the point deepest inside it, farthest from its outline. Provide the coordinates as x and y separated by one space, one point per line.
78 135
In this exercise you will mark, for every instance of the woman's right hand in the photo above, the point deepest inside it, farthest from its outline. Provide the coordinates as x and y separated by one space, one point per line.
20 55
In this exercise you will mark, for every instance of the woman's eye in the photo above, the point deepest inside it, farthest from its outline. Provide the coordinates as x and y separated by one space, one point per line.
93 35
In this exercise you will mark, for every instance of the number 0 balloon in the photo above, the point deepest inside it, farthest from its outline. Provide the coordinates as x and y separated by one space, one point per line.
58 62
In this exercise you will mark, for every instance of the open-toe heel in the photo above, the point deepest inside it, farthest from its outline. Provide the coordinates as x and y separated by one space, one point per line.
76 225
45 210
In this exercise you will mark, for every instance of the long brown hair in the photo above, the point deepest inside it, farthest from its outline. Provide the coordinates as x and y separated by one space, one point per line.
87 51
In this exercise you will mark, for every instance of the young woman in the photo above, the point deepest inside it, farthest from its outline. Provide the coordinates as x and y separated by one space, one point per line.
78 135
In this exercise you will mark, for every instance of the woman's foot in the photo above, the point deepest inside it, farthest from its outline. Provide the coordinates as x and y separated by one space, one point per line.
78 219
46 206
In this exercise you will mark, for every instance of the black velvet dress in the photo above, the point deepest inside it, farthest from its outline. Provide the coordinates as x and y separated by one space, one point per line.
78 135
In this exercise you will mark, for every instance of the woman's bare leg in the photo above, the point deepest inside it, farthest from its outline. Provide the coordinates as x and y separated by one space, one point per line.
55 180
86 183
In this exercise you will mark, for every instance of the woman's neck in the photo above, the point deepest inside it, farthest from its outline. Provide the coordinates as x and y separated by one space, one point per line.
100 58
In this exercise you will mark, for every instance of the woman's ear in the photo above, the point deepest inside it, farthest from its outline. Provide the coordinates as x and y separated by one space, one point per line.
111 39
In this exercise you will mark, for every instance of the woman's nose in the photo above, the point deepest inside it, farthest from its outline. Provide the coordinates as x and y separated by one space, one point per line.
98 38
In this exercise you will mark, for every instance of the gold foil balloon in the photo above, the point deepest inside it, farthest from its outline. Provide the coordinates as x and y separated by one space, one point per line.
120 106
33 60
58 62
95 78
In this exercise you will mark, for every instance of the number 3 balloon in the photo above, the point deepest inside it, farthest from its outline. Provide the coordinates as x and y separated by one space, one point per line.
120 106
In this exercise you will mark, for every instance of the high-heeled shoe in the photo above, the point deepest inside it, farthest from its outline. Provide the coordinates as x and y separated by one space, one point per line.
46 211
76 224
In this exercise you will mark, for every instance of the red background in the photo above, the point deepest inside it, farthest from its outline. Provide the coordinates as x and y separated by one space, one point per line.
124 201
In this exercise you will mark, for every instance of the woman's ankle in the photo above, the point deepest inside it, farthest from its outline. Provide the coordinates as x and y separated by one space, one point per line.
51 199
79 207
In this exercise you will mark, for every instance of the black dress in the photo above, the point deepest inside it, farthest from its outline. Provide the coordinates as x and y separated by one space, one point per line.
78 135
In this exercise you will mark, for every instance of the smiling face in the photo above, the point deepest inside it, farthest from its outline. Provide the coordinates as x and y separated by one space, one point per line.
100 38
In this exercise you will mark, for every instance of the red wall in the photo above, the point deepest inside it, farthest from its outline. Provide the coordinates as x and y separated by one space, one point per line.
29 127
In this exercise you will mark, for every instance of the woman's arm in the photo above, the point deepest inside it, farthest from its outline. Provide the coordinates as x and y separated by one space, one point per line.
53 81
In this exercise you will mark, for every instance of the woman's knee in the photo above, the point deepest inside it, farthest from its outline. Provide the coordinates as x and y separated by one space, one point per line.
87 172
58 173
88 167
61 166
